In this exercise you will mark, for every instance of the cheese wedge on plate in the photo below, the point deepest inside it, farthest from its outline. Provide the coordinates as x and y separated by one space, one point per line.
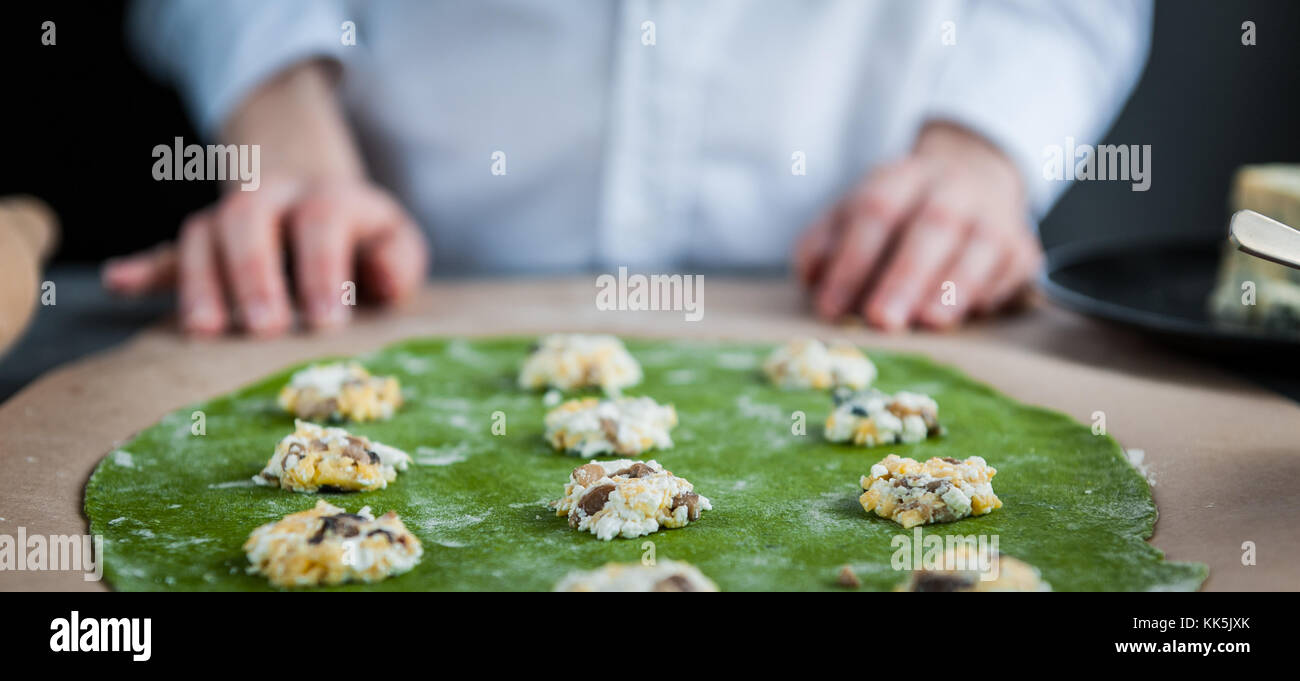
1252 291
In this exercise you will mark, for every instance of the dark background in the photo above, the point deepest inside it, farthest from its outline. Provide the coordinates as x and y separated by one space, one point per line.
81 119
80 115
1206 104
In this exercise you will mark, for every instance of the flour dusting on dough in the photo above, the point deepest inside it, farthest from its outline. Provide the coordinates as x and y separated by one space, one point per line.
679 377
1137 459
456 523
232 484
414 365
441 456
737 361
763 412
462 352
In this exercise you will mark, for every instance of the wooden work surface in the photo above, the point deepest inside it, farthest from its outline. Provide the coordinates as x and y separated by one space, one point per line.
1223 454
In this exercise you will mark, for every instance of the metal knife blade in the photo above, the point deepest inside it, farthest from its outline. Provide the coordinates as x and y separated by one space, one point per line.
1266 238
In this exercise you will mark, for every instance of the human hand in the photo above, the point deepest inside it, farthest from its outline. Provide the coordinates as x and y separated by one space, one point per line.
228 264
953 211
313 205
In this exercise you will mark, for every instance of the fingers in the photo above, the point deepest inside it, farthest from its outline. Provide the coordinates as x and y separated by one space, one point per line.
394 266
928 243
203 308
393 255
247 234
965 283
143 272
871 219
814 248
332 230
322 244
1020 265
232 258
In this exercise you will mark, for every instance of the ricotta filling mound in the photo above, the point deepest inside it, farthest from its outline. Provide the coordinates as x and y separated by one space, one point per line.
341 391
664 575
625 427
809 363
328 545
572 361
940 490
318 459
969 566
872 418
628 498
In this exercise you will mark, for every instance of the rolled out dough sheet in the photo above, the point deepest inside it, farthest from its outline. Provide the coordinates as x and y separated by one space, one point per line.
1223 454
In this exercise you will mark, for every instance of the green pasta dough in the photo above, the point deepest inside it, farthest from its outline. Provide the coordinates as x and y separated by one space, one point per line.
175 507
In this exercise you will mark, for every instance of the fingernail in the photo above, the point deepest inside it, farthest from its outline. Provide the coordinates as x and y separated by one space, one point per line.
941 316
832 303
119 273
339 314
939 309
201 317
894 315
257 315
328 313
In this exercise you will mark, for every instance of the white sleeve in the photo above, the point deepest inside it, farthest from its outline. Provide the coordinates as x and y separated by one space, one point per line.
1028 73
216 53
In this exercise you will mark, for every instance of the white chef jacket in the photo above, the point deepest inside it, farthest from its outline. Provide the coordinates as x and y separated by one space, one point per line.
658 134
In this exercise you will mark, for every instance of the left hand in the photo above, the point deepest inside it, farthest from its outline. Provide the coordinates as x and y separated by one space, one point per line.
951 217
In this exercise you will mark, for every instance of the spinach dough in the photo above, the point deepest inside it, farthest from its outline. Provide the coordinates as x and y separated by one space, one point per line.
175 508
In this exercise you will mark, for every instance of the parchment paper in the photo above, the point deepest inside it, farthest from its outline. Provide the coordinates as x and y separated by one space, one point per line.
1223 454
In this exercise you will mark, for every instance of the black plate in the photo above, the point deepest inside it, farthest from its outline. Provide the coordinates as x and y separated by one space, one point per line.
1158 286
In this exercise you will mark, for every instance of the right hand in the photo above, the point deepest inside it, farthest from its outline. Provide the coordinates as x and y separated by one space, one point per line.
228 263
950 214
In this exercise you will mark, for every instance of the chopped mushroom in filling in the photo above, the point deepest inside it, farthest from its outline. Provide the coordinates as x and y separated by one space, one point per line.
572 361
809 363
341 391
317 459
628 498
327 545
626 426
872 418
940 490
